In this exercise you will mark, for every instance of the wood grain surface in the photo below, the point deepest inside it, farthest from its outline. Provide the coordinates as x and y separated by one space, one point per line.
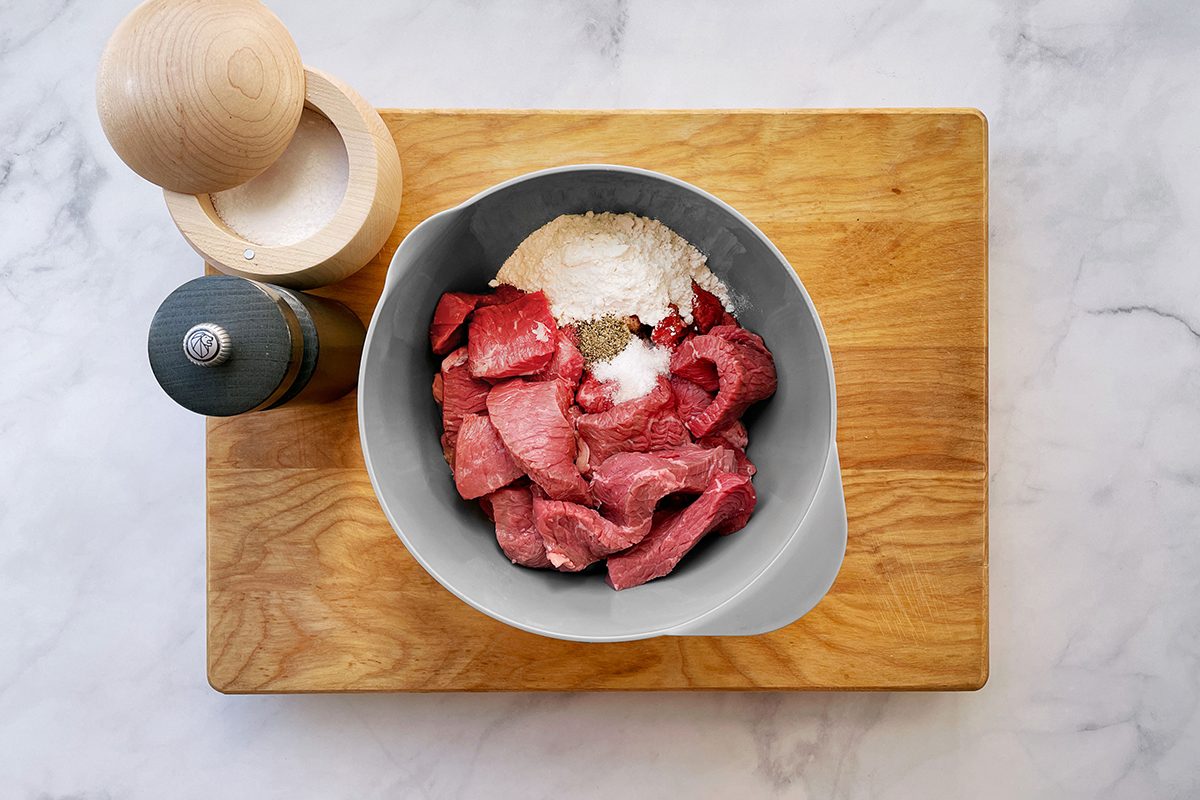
884 216
358 229
200 95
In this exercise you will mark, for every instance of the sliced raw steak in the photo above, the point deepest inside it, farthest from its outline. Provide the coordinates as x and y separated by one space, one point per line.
736 434
461 395
725 506
503 294
707 310
594 395
744 465
571 332
481 462
576 535
565 369
516 338
745 376
630 485
670 331
702 462
739 335
700 373
639 425
445 332
512 510
690 399
539 437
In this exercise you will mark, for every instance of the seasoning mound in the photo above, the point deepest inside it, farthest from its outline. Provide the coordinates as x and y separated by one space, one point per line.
594 265
601 339
634 370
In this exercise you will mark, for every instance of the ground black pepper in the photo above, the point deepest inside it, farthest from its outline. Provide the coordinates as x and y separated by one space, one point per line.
601 339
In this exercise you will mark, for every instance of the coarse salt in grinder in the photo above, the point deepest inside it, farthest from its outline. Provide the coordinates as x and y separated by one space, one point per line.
222 345
319 213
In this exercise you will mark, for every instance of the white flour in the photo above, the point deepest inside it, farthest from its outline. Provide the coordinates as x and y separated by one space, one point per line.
590 265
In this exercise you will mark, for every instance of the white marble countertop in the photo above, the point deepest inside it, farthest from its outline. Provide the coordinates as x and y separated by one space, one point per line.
1095 378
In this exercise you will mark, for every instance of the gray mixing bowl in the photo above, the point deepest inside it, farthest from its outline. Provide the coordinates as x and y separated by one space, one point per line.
759 579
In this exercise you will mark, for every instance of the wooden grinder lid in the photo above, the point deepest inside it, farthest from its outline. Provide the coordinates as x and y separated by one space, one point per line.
200 95
222 345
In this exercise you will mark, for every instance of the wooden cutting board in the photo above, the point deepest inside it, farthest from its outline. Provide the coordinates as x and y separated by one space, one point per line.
884 216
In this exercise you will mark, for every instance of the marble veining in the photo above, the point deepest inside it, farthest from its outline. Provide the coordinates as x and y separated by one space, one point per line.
1094 111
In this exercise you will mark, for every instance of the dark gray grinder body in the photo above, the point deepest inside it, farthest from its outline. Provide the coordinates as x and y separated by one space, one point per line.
222 345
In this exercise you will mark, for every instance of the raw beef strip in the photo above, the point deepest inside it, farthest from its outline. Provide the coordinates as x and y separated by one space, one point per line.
576 535
703 462
565 369
481 462
485 505
639 425
700 373
745 376
571 332
629 485
445 332
594 395
736 434
744 465
503 294
739 335
438 388
513 339
512 510
725 506
670 330
690 399
461 395
539 437
707 310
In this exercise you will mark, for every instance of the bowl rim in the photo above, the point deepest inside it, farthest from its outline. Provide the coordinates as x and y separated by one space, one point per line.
390 285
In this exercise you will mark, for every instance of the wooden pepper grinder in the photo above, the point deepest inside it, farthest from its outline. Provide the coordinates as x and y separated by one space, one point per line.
222 345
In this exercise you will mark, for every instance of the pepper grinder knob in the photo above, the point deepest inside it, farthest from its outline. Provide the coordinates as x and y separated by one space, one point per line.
207 344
